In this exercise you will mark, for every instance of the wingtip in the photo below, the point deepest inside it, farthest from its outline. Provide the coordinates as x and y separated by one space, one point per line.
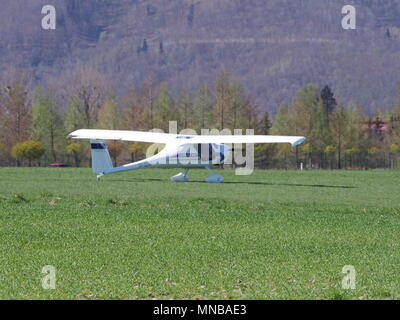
71 135
75 134
299 142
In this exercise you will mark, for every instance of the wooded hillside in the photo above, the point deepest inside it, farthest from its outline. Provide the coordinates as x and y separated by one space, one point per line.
274 47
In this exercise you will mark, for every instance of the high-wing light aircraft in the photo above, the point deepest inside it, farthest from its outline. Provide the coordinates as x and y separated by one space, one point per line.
180 151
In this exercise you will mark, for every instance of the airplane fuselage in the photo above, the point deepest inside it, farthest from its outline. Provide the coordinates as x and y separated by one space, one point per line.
182 151
181 156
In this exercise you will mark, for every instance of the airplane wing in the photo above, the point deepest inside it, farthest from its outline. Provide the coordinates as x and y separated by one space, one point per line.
164 138
137 136
244 139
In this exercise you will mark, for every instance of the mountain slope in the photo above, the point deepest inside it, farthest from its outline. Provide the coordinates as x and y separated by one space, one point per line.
273 46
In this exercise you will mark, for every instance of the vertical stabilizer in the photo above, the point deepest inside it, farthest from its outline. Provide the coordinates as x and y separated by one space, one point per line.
101 161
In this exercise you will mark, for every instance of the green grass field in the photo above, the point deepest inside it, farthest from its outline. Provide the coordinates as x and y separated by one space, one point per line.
271 235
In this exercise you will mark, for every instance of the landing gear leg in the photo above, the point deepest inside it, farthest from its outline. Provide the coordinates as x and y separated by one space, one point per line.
214 178
181 177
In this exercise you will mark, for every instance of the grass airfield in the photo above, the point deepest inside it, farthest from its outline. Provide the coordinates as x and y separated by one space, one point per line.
136 235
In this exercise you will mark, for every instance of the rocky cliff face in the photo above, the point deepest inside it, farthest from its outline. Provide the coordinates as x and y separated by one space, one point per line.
273 46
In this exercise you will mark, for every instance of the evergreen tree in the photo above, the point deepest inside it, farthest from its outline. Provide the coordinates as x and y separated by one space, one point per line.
282 122
185 107
320 136
74 120
305 110
148 98
222 98
203 107
328 100
164 108
249 114
265 151
283 125
266 123
237 106
310 119
47 124
355 141
339 127
394 119
134 114
110 119
109 115
190 16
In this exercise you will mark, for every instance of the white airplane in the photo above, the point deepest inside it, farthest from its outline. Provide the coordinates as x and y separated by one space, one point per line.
180 151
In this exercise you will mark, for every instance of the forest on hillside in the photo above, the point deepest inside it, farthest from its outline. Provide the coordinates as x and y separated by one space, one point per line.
273 47
34 123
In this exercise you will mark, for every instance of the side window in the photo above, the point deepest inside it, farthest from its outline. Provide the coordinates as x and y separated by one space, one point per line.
205 152
190 150
184 151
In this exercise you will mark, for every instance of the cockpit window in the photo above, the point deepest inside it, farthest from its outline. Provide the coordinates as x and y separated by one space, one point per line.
205 152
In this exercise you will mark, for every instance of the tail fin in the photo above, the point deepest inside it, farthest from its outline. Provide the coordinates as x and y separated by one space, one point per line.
101 161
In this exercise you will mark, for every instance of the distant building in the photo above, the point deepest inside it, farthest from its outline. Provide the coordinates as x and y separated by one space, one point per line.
376 128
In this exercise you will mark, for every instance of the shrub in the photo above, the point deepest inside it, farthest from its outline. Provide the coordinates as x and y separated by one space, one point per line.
73 148
373 151
28 150
307 148
330 149
395 149
352 151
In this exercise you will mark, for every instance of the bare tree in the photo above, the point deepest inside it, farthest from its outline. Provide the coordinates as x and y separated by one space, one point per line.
15 108
88 89
149 96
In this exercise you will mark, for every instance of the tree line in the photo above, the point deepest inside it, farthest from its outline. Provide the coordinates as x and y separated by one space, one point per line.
34 122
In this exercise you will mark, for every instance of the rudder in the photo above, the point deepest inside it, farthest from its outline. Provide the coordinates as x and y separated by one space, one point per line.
101 160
